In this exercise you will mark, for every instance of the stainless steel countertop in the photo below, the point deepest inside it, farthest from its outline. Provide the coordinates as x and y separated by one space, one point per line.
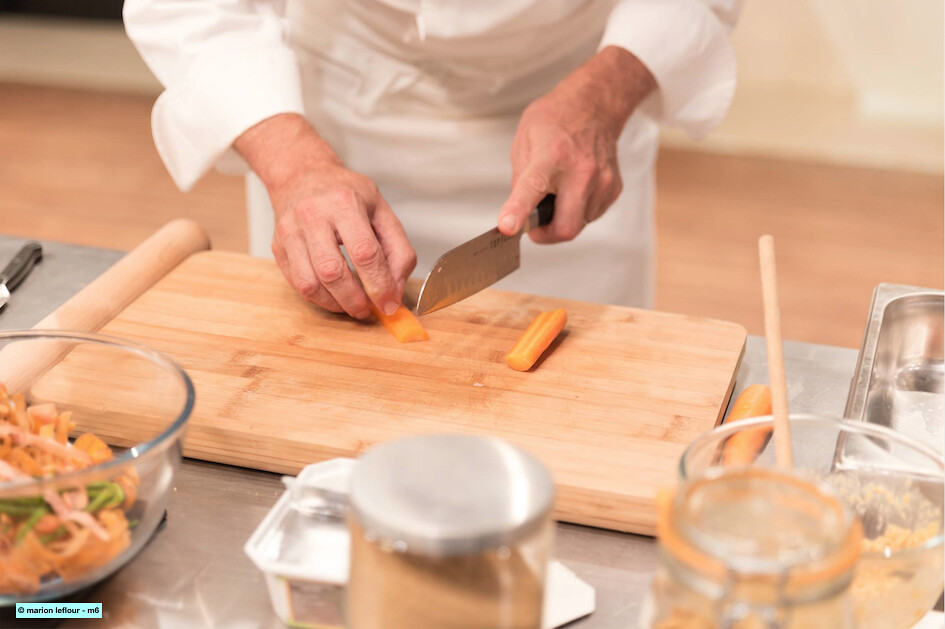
194 572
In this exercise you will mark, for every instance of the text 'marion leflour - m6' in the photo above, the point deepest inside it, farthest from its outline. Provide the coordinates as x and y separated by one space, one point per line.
449 531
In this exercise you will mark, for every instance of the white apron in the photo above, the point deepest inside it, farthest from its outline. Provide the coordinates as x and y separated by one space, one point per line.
423 97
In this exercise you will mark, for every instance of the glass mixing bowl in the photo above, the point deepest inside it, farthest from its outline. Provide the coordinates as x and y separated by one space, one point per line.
134 399
894 484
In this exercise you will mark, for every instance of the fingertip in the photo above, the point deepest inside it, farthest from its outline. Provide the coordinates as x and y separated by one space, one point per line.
508 225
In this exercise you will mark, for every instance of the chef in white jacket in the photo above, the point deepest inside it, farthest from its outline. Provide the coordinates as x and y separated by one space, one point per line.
398 129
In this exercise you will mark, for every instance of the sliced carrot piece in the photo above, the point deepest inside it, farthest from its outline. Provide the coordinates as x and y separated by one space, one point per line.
97 449
42 414
63 427
402 324
743 447
539 335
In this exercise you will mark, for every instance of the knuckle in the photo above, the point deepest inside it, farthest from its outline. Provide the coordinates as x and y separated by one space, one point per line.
330 271
567 232
365 253
607 178
282 232
342 198
308 288
536 180
561 149
411 261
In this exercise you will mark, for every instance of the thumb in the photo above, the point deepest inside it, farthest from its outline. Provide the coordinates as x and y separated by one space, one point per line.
527 191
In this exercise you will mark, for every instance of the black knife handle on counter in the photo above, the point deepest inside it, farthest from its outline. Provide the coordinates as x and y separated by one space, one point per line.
543 214
21 264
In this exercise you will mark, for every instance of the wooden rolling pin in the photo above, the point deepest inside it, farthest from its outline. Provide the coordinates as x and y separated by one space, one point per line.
114 290
21 364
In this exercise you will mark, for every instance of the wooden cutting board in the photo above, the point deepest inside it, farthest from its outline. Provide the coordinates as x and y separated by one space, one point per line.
281 384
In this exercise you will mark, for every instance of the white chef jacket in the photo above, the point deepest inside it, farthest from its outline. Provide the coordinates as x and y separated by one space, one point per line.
423 97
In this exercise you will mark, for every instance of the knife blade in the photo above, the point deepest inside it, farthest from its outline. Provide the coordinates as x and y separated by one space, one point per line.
18 268
478 263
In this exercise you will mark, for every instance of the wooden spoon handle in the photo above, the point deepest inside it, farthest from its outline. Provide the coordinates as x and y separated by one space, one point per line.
776 375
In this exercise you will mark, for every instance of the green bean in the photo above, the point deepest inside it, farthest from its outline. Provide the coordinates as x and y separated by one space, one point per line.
27 526
17 511
103 497
118 497
51 537
24 501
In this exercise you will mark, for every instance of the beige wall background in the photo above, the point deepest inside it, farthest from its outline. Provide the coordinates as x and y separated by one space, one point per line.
855 82
846 81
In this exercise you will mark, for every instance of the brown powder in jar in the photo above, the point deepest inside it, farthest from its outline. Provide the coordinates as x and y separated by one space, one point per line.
495 589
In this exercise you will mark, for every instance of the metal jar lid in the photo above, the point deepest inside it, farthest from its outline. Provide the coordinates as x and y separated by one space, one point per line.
447 495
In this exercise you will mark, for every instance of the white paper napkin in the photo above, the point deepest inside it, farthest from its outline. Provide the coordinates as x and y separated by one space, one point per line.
567 598
932 620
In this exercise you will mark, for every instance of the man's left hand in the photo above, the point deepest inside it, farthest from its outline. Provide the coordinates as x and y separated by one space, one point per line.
566 143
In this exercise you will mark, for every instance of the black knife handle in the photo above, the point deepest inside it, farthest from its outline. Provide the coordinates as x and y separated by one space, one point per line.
21 264
546 210
541 215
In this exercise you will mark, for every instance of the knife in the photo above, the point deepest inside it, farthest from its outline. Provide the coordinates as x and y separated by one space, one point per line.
18 268
479 263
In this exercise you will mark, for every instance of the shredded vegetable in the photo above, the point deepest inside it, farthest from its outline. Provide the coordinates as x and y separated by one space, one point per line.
66 531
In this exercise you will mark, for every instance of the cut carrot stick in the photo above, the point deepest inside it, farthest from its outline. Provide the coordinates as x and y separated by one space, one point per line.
539 335
402 324
743 447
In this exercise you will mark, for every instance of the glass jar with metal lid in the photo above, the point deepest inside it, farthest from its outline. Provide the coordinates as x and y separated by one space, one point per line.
754 548
448 532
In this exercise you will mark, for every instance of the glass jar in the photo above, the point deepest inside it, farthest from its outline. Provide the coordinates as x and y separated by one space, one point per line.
893 484
753 548
448 532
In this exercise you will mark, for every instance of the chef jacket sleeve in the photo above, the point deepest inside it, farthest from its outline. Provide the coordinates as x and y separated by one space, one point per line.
225 66
685 45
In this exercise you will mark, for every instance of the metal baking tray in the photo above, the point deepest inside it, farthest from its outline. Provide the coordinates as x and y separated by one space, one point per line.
900 374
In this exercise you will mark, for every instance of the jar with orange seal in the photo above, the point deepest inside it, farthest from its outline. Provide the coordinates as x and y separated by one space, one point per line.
751 548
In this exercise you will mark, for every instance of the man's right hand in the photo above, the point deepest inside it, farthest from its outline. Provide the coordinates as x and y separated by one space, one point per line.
319 204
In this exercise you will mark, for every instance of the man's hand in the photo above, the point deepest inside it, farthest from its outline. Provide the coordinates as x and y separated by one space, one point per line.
566 143
319 204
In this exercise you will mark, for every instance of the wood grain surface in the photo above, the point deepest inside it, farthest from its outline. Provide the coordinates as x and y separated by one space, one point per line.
281 384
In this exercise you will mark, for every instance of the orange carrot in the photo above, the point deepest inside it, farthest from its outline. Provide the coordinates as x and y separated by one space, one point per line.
539 335
743 447
63 427
402 324
97 449
42 414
